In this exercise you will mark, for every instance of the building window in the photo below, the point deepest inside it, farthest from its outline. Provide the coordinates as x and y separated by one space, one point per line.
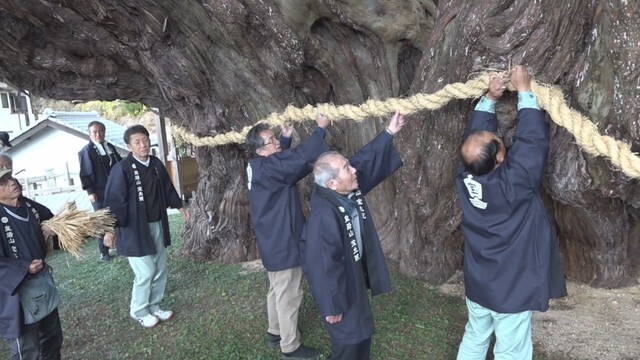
5 100
18 104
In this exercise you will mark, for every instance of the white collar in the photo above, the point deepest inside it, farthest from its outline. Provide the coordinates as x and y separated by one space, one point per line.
100 147
145 163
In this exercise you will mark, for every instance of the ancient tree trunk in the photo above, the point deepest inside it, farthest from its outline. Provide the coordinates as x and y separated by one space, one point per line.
216 66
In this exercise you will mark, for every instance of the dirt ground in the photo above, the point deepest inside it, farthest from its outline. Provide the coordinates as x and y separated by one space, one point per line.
589 324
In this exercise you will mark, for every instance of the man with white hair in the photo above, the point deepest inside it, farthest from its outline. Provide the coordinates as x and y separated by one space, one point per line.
340 251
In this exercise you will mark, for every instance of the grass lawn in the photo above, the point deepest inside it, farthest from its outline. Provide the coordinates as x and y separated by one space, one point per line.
221 313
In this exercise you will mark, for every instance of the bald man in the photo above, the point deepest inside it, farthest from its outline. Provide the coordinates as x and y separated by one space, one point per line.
512 265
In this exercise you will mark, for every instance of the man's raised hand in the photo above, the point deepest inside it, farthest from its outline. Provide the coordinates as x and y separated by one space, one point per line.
396 123
323 121
286 129
497 86
521 79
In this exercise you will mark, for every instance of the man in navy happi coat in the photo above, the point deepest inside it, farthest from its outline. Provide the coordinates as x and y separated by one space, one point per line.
276 214
340 250
96 160
512 264
138 193
37 335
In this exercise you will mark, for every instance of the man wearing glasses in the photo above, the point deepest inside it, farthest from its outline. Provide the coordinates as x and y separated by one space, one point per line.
276 214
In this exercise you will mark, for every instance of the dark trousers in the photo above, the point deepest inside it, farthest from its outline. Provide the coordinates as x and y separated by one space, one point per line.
359 351
104 250
38 341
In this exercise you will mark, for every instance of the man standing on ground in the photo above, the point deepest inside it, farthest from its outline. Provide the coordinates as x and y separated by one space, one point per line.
340 250
512 265
138 193
96 160
276 214
29 299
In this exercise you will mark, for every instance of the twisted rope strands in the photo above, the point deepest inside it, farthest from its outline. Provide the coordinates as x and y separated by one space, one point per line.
586 132
549 98
371 108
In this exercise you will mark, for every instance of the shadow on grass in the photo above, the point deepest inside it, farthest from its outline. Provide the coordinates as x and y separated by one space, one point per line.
221 313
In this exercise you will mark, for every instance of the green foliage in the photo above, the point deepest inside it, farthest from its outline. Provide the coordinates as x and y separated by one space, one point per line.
120 111
113 110
40 104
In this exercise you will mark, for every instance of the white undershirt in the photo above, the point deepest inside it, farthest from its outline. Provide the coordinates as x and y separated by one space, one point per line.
145 163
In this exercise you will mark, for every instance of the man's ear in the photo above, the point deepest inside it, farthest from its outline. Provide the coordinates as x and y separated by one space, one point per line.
259 151
500 157
331 184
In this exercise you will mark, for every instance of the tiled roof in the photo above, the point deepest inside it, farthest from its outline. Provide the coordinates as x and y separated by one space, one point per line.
76 123
79 120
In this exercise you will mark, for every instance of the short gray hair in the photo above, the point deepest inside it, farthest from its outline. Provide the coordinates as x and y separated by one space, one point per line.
5 159
323 171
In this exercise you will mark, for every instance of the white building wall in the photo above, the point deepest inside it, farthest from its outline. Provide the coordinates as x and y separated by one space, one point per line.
52 153
10 121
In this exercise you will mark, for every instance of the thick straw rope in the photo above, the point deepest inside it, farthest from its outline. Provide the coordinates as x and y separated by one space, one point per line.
550 99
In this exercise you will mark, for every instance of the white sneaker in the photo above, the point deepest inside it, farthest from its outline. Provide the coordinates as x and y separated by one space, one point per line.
163 315
147 321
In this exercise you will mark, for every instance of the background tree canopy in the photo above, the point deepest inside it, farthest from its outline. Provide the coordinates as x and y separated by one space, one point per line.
217 65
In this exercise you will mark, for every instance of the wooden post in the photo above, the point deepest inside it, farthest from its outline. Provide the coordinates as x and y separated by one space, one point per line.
177 176
161 134
66 164
26 186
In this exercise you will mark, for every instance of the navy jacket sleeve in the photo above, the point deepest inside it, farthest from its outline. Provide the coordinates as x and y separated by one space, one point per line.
86 171
323 260
376 161
527 158
285 142
12 273
291 165
117 193
482 120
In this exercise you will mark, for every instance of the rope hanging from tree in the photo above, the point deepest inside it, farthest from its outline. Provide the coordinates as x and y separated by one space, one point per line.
550 99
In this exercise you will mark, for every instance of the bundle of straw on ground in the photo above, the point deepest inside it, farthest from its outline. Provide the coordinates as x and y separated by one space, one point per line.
74 226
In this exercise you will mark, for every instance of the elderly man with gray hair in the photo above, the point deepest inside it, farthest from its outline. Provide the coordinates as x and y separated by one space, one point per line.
29 298
340 250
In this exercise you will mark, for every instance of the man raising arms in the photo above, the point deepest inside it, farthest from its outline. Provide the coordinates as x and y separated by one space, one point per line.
276 214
